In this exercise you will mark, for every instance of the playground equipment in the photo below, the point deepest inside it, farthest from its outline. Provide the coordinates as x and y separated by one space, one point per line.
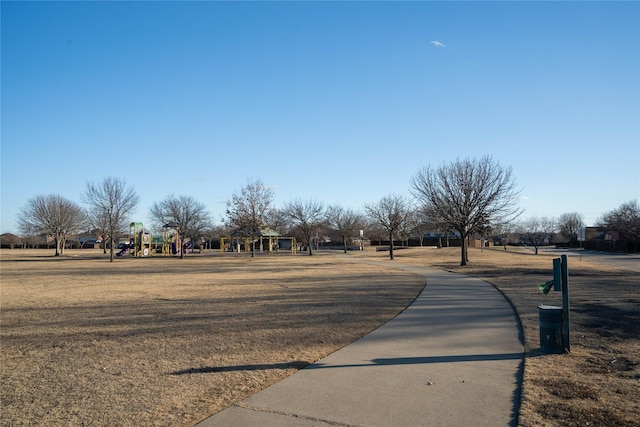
171 239
142 243
124 250
139 241
271 240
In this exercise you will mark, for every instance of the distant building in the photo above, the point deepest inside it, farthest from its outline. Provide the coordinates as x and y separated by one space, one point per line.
605 240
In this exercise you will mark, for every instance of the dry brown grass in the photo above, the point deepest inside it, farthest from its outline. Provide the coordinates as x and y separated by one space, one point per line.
164 341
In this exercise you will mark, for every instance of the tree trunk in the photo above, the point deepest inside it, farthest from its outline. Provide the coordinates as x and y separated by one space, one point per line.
111 248
253 246
57 242
344 241
391 245
463 252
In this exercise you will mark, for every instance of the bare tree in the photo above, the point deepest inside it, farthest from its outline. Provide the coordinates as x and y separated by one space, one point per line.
391 213
278 221
346 222
247 211
54 216
405 231
31 237
306 217
10 240
440 226
468 194
100 222
537 231
626 220
375 231
501 231
185 213
112 201
569 224
420 223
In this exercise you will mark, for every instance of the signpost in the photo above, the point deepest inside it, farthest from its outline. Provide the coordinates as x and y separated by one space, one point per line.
581 235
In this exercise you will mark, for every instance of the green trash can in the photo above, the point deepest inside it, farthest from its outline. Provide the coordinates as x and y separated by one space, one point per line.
551 337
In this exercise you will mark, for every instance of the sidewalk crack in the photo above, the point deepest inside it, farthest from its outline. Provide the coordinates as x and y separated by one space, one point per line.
292 415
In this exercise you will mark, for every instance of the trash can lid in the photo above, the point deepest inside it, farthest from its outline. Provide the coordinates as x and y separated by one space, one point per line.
549 307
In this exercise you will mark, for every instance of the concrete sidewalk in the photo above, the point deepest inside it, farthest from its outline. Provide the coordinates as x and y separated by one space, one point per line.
452 358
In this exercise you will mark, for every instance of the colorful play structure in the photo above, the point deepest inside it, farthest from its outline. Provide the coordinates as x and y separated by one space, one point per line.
172 241
142 243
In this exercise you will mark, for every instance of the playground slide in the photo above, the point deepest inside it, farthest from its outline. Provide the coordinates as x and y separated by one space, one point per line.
124 250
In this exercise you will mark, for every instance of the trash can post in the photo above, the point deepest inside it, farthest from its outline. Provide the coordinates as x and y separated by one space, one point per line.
554 321
565 304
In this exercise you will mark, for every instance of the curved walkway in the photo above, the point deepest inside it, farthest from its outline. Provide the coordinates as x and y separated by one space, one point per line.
452 358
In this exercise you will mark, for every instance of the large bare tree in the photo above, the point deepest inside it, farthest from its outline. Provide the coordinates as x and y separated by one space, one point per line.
306 217
54 216
468 194
391 213
626 220
345 222
185 213
248 209
111 201
569 224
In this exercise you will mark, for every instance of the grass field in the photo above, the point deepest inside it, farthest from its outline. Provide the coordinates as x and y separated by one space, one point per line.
167 342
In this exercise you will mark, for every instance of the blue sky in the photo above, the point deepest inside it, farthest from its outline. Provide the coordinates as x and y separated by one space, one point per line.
342 102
